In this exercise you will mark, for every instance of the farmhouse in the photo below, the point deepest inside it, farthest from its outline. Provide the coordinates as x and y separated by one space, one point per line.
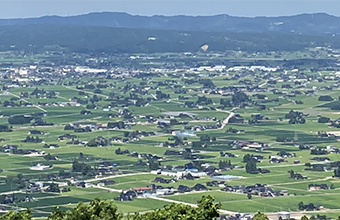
322 186
36 132
66 136
40 167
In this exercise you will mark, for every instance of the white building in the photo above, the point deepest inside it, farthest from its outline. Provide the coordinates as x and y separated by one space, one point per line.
39 166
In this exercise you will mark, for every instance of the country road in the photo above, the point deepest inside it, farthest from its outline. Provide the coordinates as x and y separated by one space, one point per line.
193 205
226 121
114 176
24 100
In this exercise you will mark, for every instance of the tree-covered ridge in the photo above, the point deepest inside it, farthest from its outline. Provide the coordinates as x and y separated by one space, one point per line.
76 38
303 23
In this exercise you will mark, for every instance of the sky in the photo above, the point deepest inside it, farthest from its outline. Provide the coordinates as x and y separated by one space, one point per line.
247 8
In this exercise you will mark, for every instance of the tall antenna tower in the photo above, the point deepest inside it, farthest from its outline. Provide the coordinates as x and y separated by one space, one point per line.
296 138
108 138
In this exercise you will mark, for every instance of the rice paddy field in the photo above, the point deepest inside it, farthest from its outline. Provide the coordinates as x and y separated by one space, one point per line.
170 102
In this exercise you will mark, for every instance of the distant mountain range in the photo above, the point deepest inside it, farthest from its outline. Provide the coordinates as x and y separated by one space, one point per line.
113 32
319 23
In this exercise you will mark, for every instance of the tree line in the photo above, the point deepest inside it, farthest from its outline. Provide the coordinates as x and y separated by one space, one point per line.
206 209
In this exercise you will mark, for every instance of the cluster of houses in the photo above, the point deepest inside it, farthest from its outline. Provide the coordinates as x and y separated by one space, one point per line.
238 216
139 155
248 145
106 168
257 189
276 159
66 137
13 149
320 159
216 183
199 128
188 171
106 182
102 141
321 150
156 190
179 174
298 176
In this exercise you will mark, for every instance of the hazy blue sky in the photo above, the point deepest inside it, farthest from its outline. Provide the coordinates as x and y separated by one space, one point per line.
250 8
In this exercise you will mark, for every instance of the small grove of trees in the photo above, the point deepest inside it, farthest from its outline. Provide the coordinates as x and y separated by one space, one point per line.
337 172
69 127
326 98
318 151
283 139
85 169
19 119
98 210
295 117
324 120
251 167
250 164
307 207
119 125
203 101
5 128
238 98
153 164
30 139
207 138
224 164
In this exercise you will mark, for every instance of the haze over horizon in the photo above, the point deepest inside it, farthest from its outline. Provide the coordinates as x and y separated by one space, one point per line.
242 8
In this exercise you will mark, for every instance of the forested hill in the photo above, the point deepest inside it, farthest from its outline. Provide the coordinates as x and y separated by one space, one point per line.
303 23
125 40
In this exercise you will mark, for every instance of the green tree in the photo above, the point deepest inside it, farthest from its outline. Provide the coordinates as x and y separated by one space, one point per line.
23 215
57 214
153 164
260 216
92 143
239 97
246 158
206 210
95 210
301 206
337 172
251 167
324 120
304 218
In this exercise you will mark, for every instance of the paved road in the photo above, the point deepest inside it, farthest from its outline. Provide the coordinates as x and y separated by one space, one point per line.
108 189
24 100
193 205
114 176
226 121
